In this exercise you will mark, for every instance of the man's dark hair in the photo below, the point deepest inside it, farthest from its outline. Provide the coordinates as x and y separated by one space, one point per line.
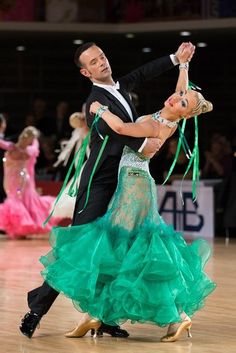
80 50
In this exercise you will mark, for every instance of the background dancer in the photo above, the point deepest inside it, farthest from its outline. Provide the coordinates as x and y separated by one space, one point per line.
24 210
65 206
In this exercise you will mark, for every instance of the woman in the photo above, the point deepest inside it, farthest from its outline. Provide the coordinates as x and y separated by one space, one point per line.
65 207
24 210
128 264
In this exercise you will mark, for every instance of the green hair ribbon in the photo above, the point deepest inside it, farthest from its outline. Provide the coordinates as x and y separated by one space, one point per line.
193 155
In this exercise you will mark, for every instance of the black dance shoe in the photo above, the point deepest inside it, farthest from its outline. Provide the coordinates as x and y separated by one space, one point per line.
114 331
29 323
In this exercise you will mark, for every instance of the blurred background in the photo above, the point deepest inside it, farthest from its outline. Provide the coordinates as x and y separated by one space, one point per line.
40 84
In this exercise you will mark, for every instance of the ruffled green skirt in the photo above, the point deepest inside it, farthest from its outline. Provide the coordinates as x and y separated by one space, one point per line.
129 265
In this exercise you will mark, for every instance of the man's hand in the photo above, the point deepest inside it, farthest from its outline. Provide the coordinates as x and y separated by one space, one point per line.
185 52
152 146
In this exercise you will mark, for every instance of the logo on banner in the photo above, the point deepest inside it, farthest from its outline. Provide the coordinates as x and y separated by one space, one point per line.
185 216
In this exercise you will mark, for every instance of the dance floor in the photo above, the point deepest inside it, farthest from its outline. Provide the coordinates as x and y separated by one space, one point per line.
213 330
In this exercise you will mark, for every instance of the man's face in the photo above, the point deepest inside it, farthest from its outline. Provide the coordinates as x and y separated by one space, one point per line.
95 65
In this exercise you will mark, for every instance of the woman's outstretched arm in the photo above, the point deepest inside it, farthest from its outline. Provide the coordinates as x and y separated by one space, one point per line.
147 128
182 82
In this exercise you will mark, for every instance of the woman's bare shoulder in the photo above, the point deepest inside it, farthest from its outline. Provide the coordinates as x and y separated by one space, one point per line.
143 118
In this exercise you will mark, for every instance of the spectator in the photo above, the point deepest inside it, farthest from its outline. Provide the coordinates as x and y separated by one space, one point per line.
218 163
181 163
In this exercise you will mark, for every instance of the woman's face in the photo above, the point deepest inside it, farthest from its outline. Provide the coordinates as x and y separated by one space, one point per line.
180 104
26 141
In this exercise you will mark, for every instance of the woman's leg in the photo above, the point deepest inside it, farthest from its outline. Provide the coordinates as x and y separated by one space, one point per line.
176 329
85 324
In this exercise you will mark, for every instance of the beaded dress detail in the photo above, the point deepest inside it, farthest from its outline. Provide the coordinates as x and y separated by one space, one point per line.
157 117
129 264
134 160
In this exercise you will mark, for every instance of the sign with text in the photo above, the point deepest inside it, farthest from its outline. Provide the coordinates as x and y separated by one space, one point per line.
195 219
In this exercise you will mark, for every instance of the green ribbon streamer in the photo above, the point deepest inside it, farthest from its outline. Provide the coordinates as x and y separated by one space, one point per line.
195 161
73 187
192 156
180 143
196 173
73 190
93 171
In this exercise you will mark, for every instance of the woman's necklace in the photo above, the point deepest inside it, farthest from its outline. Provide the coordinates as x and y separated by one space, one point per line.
157 117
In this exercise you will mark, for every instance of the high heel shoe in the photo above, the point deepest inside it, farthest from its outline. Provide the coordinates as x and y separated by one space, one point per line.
174 336
81 330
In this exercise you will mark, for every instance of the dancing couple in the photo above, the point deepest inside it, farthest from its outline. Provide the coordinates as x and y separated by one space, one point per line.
120 261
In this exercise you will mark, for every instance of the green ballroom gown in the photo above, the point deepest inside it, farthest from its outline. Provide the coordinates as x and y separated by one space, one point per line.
129 264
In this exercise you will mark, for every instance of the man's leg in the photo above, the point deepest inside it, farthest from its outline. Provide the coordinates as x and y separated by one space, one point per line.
39 301
99 196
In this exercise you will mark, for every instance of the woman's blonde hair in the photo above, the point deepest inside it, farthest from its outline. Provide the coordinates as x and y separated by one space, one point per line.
29 131
75 117
202 105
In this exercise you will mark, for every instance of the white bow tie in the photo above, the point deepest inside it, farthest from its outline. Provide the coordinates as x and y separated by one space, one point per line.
116 85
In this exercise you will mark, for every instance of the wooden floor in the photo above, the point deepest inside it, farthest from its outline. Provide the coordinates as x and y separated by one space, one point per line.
214 327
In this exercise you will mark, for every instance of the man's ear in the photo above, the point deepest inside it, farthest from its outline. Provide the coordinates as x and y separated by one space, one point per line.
84 72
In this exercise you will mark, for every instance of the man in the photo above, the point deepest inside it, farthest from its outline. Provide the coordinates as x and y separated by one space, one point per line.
95 66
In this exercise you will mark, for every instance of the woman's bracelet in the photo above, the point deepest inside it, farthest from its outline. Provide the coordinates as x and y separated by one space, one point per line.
184 66
101 110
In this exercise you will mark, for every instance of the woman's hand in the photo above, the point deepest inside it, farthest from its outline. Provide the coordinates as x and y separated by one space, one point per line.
185 52
94 107
152 146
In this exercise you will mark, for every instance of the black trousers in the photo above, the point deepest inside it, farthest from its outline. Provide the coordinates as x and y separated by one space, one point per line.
41 299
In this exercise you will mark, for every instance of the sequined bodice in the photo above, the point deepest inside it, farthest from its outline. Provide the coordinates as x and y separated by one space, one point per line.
19 172
134 159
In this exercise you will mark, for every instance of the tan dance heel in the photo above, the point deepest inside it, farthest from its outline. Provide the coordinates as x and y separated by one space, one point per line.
174 336
81 330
